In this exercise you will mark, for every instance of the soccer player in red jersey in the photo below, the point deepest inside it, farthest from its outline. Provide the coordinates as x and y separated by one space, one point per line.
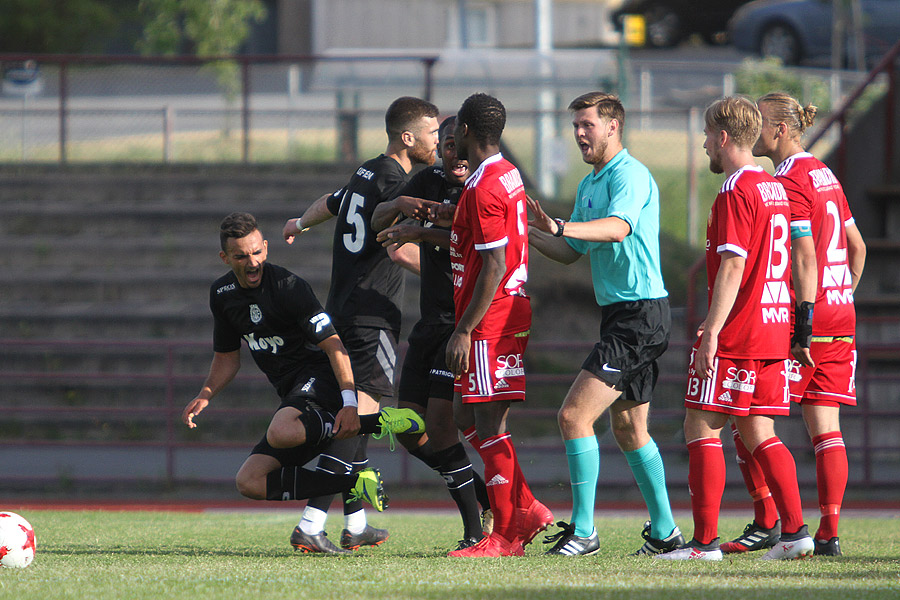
738 368
489 260
826 245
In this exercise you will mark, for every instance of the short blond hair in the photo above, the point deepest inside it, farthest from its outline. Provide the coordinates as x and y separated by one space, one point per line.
788 110
736 115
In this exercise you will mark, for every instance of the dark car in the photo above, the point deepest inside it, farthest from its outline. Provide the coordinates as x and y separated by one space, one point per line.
670 21
798 30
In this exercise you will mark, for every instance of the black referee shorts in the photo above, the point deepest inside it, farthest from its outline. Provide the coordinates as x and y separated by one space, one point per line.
633 335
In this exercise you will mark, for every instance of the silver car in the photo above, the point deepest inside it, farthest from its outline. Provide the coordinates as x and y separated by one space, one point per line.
800 30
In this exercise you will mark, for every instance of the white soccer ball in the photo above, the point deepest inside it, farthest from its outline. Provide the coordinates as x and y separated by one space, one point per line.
16 541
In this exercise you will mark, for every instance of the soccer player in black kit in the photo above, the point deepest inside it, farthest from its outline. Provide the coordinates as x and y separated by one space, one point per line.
293 342
426 384
367 280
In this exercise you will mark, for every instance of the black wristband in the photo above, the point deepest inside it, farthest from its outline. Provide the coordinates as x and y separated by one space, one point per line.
803 317
560 226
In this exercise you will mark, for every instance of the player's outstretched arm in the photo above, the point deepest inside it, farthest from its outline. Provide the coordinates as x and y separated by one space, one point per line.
403 233
224 367
314 215
388 213
346 422
540 235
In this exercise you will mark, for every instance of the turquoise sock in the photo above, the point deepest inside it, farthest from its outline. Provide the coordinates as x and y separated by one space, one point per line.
647 467
583 455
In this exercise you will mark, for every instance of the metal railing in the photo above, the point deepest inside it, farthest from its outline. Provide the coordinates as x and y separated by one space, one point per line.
888 65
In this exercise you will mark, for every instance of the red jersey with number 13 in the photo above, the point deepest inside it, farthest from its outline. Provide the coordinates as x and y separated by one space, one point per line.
750 218
491 214
818 201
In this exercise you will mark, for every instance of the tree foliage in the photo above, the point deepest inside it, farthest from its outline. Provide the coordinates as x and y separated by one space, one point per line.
201 27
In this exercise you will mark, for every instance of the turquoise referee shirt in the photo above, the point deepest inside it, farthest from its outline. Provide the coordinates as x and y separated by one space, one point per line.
628 270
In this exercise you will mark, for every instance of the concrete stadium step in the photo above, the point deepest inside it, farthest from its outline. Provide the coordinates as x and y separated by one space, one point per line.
165 252
134 285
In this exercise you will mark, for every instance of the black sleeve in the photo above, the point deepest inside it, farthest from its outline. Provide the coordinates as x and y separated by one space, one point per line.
311 317
333 204
225 338
390 185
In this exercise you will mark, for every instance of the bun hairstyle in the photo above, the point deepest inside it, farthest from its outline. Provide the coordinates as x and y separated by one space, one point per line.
786 109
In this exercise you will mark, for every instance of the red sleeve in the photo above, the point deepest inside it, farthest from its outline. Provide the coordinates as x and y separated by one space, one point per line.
735 223
489 224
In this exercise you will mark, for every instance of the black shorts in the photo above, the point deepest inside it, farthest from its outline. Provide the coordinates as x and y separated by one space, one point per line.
425 374
632 336
373 356
315 397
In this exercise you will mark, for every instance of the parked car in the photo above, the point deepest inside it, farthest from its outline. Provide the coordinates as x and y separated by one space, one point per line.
798 30
670 21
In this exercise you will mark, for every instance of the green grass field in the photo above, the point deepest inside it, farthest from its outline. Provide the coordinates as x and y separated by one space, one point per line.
211 555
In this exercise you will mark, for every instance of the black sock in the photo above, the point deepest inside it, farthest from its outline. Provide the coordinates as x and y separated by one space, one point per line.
369 424
337 458
481 490
360 462
456 469
297 483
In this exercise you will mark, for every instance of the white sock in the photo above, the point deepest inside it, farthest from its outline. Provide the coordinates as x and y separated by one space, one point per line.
313 521
355 523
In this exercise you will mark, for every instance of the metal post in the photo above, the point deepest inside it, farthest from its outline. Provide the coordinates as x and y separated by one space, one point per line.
63 101
168 126
429 78
646 100
245 110
889 132
693 208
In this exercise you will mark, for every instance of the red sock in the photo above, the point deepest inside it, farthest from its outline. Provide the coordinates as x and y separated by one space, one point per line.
706 478
524 497
499 459
472 437
831 480
764 511
781 475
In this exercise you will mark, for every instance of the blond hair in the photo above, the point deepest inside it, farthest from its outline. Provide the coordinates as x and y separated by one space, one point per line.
786 109
736 115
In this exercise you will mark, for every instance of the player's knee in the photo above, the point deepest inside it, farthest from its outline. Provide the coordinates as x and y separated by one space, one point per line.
250 487
567 418
281 436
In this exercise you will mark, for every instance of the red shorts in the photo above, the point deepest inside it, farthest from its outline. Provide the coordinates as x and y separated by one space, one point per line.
833 379
496 370
741 387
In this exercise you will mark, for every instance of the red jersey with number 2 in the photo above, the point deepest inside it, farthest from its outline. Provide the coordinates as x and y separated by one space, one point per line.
818 201
491 213
750 217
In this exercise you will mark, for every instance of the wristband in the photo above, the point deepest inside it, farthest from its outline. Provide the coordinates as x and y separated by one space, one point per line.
300 228
349 398
560 226
803 317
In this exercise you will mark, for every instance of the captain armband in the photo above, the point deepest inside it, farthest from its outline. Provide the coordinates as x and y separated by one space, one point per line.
800 229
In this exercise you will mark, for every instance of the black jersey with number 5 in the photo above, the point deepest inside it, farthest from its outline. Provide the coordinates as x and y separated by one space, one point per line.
436 296
366 286
282 322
